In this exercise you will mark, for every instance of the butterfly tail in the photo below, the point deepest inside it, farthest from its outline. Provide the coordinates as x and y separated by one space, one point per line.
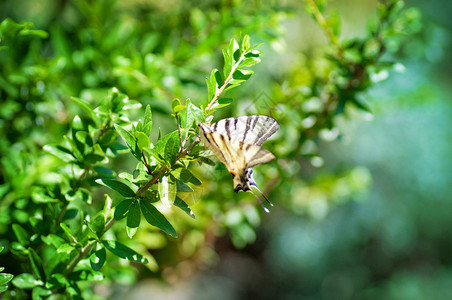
252 183
261 203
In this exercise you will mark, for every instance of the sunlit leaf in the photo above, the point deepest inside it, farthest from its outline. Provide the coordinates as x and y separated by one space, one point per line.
123 251
182 187
122 209
87 108
97 258
117 185
155 218
5 278
26 281
39 293
142 140
60 152
133 219
21 235
36 264
182 205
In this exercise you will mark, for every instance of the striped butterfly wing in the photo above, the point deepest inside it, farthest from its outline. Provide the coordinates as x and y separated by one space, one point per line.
216 143
255 155
253 130
236 141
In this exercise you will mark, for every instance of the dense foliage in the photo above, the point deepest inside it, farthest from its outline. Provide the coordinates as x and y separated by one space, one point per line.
109 96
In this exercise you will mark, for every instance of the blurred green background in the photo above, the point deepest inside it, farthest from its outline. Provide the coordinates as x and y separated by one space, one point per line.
371 220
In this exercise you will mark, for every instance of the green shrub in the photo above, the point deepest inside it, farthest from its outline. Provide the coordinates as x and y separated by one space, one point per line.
69 127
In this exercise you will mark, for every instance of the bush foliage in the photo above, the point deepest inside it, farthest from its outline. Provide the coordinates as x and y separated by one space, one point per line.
108 99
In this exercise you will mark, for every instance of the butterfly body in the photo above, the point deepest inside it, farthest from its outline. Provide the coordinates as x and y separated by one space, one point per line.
236 142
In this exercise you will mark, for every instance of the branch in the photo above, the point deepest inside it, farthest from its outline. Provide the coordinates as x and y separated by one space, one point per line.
226 82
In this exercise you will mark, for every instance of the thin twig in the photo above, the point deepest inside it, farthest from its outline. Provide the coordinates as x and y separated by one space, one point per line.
146 163
156 177
151 182
178 131
85 250
226 82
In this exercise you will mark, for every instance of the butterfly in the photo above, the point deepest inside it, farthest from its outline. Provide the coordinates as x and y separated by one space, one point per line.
236 142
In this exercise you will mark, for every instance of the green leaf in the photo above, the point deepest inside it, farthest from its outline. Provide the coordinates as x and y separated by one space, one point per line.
147 115
172 148
211 85
26 281
241 76
156 154
85 274
127 136
130 141
81 136
21 235
249 61
68 231
65 248
97 225
122 209
77 123
142 140
182 187
177 106
196 112
93 158
185 175
87 108
169 145
60 152
10 29
224 102
187 122
245 43
133 219
150 196
167 190
118 186
36 264
182 205
123 251
53 240
5 278
147 122
57 281
254 52
206 160
229 57
97 258
155 218
39 292
38 195
77 148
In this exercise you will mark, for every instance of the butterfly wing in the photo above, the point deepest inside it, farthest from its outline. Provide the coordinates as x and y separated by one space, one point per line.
222 139
217 143
255 155
252 130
